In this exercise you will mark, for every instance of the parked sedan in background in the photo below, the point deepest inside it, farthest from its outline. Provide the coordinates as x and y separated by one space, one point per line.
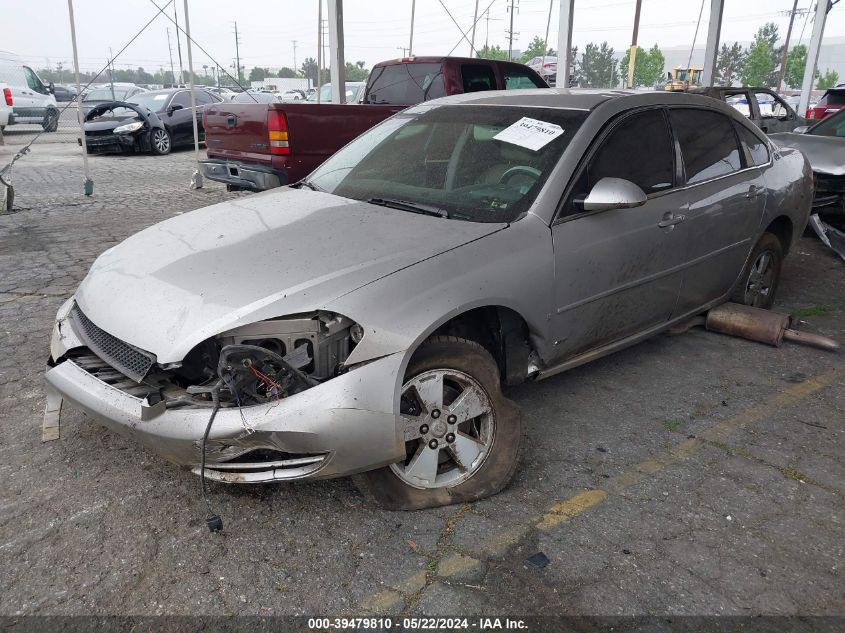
467 243
824 146
64 93
153 121
354 92
546 67
833 100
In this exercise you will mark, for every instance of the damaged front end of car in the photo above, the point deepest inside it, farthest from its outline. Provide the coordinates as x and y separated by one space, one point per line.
280 390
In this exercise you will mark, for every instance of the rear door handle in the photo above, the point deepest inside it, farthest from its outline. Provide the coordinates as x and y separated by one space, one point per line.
670 219
752 192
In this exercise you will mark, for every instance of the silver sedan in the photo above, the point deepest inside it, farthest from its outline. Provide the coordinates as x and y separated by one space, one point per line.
366 320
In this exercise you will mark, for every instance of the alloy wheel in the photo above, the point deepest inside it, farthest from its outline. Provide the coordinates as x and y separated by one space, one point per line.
161 140
449 429
760 280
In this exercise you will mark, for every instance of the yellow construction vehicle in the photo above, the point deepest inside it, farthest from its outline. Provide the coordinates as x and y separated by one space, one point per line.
682 78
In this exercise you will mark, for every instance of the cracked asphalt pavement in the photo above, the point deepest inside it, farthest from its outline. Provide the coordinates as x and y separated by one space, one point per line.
691 474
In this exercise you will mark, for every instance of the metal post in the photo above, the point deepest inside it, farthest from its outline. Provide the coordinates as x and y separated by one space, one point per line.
546 39
564 42
336 57
196 179
783 55
88 186
411 42
822 7
510 36
472 39
111 74
178 44
711 48
237 56
632 55
170 51
319 48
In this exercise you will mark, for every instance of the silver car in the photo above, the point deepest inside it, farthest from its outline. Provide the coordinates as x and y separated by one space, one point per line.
365 320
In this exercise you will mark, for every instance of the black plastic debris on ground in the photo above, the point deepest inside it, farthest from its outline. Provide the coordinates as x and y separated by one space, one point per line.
538 560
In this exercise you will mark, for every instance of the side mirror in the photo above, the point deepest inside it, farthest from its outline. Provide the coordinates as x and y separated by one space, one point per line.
613 193
51 88
801 129
173 108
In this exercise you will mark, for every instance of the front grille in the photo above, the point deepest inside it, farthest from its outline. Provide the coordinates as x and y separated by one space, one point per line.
126 358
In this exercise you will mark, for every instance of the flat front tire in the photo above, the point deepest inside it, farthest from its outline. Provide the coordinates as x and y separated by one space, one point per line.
759 281
462 435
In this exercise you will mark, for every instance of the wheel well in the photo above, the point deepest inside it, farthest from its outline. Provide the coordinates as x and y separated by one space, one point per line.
501 331
781 227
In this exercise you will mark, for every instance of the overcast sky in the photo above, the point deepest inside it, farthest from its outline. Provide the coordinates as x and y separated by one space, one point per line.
38 30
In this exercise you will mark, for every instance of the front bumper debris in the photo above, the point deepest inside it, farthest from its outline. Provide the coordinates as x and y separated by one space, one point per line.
340 427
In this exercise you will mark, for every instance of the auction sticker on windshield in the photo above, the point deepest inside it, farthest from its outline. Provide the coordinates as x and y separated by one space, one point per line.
530 133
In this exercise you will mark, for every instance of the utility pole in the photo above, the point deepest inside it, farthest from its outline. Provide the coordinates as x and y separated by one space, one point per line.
510 31
403 49
237 54
111 74
294 56
820 17
472 39
411 43
782 70
170 52
178 45
319 47
632 54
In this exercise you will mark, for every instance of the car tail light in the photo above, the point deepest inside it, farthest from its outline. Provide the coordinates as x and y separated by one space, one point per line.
277 129
8 95
204 119
549 65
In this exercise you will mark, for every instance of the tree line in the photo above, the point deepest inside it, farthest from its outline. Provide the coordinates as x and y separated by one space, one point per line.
757 65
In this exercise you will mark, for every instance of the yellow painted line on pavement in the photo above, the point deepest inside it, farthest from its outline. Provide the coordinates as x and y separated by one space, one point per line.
562 511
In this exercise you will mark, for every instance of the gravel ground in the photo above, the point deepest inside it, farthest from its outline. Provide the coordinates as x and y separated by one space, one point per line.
690 475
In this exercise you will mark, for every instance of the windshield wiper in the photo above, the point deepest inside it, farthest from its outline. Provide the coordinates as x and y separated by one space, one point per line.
413 207
309 184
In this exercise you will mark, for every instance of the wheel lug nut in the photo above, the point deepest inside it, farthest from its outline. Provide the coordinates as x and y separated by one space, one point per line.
452 419
450 438
424 429
433 444
435 414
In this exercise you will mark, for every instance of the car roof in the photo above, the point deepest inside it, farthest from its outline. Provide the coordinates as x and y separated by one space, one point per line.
576 98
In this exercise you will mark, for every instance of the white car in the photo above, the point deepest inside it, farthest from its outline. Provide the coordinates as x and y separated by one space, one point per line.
30 99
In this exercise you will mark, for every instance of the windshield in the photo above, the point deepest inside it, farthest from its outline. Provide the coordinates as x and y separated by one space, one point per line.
153 101
449 157
831 126
105 94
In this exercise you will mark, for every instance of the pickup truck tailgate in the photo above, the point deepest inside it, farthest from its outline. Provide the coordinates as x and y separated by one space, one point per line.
238 132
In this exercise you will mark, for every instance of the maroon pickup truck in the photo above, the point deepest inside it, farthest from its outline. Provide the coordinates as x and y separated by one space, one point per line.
261 146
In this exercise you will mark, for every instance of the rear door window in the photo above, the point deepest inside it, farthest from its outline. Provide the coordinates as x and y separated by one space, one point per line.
517 78
756 146
406 84
771 106
477 77
182 98
708 143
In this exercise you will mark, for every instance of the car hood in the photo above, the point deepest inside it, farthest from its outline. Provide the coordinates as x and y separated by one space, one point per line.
267 255
825 153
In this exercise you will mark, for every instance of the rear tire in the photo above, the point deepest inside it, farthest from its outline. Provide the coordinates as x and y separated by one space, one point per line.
759 280
160 141
452 390
51 120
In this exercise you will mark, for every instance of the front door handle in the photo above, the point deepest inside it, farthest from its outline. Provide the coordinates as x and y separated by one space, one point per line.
670 220
752 192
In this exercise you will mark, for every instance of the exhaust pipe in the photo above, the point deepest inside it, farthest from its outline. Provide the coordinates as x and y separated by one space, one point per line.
763 326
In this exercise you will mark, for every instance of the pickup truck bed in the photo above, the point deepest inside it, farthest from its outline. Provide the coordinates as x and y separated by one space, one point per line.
239 139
